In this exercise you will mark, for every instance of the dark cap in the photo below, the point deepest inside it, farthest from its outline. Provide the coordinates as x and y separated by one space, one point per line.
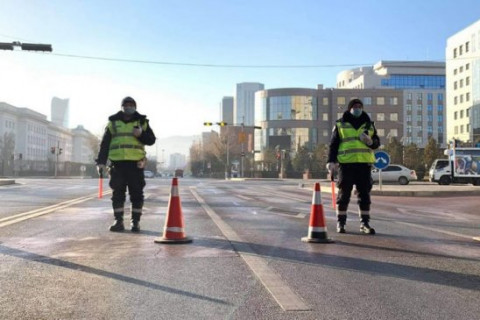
353 102
128 99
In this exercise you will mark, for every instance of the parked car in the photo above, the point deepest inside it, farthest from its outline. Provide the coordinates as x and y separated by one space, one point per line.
395 173
148 174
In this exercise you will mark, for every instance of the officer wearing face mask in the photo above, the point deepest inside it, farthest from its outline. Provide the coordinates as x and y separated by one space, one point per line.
353 140
123 144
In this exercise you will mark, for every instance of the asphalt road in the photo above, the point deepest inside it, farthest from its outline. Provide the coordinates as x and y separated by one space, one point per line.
246 261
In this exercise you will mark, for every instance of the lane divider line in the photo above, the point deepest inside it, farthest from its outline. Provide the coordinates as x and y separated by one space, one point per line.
42 211
281 292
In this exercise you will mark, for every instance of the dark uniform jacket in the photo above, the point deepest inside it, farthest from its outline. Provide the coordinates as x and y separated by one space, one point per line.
356 123
147 137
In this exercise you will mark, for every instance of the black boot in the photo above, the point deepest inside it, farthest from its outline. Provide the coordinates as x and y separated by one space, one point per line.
136 214
135 227
365 227
117 226
341 221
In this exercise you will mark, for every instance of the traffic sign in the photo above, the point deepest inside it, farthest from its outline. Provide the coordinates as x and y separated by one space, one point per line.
382 160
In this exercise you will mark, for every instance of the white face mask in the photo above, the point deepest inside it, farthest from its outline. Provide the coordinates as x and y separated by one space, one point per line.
356 112
129 110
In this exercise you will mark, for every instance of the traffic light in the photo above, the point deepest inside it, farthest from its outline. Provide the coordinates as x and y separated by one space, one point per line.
36 47
6 46
52 150
60 150
222 124
207 123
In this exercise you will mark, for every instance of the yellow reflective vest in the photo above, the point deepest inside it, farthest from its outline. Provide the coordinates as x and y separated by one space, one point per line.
351 148
124 145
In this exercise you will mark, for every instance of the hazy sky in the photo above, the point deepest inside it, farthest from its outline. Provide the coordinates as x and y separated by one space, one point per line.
329 36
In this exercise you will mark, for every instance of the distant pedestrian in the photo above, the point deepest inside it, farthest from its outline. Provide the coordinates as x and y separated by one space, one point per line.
123 143
354 138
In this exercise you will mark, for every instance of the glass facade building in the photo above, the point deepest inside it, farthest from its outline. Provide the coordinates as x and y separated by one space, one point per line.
290 117
399 81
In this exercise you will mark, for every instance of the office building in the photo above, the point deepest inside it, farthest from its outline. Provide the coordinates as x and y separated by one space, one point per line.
60 112
244 103
423 88
463 85
291 118
226 110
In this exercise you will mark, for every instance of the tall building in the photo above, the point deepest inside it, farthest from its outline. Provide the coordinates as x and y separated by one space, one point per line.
60 112
226 110
244 103
463 85
423 86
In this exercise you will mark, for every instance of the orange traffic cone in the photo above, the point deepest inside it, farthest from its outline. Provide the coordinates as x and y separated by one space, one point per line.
317 230
174 231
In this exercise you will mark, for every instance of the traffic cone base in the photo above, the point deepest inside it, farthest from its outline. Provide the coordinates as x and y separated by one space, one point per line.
317 230
174 231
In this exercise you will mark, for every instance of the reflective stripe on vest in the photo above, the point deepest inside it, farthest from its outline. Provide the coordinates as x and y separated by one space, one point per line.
124 145
351 149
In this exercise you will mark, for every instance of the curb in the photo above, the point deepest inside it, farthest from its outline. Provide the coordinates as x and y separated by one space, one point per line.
4 182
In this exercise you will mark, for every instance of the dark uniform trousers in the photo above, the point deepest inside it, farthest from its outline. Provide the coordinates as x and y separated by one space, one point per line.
358 174
125 174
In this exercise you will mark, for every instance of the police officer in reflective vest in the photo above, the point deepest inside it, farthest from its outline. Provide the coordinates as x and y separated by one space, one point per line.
353 140
123 143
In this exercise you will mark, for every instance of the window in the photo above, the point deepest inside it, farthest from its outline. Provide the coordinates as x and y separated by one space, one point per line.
393 133
394 116
455 100
461 83
467 96
467 66
380 101
325 117
341 101
468 128
339 115
393 101
467 46
325 101
467 81
454 72
455 115
461 114
419 96
367 101
380 116
440 109
440 97
409 96
467 113
455 52
455 130
381 132
460 69
429 96
325 133
455 85
460 50
461 128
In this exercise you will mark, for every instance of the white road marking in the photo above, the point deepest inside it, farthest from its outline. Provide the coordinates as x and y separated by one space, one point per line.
281 292
42 211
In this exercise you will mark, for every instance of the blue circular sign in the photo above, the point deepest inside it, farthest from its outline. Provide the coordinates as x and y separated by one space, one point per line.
382 160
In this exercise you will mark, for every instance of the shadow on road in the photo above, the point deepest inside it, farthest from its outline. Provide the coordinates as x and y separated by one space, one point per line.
78 267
